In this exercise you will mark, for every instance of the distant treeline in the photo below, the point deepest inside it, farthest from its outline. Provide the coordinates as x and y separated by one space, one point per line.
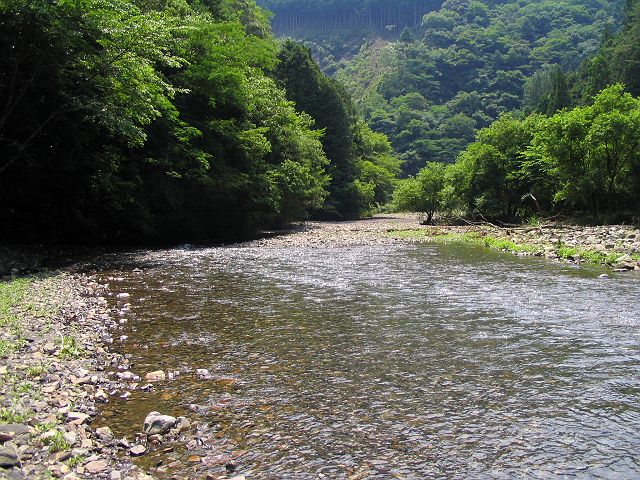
292 15
433 89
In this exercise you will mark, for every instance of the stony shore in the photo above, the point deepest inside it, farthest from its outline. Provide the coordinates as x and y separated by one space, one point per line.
53 378
617 246
56 367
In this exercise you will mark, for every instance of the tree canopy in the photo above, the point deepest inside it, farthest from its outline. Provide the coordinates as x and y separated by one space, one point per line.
467 64
123 120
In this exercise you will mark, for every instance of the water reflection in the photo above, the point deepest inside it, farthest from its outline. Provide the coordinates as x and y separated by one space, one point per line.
427 361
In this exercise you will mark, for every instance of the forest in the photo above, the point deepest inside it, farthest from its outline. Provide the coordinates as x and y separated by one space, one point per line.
573 149
431 88
296 15
509 110
173 120
135 121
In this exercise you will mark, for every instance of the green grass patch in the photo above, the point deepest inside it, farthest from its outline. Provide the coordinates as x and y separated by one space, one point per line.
8 415
12 293
592 256
69 348
421 233
36 370
504 244
496 243
76 461
6 347
45 427
57 442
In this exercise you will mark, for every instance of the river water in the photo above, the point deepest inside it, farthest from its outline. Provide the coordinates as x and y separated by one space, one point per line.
386 361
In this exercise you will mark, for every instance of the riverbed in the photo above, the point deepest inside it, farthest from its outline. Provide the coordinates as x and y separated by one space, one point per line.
367 357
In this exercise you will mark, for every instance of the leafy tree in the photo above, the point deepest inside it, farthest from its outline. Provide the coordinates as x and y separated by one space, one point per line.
422 193
330 106
129 121
593 150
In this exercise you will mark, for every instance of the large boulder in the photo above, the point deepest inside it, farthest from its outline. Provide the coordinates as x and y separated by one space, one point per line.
156 423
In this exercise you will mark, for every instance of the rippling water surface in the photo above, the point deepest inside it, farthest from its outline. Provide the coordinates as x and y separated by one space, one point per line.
394 361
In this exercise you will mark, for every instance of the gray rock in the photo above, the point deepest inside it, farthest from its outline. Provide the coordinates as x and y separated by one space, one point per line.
156 376
156 423
182 424
105 434
124 443
58 470
61 456
9 457
16 428
101 396
96 466
137 450
77 417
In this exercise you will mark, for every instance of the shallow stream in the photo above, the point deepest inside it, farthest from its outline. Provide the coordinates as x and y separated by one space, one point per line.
387 361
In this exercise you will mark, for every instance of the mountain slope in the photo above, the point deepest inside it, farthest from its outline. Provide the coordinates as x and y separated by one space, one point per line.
466 63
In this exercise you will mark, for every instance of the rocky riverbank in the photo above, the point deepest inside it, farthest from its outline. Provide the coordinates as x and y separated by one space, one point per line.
617 246
55 371
53 377
57 368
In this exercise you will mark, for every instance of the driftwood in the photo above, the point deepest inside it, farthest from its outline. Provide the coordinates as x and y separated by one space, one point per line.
514 226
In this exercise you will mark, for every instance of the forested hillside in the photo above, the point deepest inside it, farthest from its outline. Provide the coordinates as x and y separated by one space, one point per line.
432 87
127 120
574 150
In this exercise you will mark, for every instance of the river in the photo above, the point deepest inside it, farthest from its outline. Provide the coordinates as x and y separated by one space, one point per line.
382 361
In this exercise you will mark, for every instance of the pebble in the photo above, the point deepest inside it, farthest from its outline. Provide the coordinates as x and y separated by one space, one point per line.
97 466
9 456
155 376
105 434
77 418
137 450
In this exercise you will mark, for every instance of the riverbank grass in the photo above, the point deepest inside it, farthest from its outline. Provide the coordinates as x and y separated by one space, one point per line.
13 294
560 250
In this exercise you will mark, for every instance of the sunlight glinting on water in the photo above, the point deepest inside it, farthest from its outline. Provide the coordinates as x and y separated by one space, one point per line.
426 361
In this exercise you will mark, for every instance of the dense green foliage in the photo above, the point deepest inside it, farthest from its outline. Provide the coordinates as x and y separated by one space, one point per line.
352 149
585 159
576 153
432 89
125 120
